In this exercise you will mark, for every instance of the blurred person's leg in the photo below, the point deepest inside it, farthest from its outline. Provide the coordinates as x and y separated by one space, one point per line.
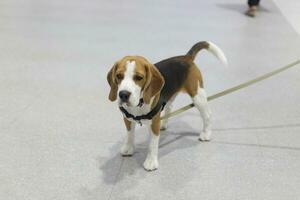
252 7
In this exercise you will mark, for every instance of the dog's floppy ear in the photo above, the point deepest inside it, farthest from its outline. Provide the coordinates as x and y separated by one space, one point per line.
112 82
154 82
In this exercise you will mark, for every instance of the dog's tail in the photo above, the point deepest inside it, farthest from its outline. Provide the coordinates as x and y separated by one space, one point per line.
211 47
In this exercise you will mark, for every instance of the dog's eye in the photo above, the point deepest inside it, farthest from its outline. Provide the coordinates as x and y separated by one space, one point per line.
138 78
119 76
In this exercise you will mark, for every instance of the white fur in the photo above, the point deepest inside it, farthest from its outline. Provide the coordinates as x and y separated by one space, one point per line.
151 162
200 101
128 147
214 49
129 84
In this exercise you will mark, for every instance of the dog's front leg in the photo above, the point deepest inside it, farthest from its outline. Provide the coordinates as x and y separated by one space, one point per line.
151 162
128 147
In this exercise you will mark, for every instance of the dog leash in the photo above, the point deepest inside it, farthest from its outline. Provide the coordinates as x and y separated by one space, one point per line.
233 89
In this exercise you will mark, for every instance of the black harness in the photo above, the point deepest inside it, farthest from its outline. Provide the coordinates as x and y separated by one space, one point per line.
159 107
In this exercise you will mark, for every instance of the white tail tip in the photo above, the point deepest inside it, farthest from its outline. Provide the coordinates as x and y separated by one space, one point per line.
214 49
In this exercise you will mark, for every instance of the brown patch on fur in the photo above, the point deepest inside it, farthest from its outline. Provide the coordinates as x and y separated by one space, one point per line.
155 123
127 124
193 81
140 70
196 48
112 82
154 83
155 100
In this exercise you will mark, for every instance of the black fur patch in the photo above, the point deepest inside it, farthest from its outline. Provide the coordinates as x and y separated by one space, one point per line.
174 70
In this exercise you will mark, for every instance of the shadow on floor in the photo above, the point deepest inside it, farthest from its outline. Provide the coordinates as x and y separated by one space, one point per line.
169 142
117 168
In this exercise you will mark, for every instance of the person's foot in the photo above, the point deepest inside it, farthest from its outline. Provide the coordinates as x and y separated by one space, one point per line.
252 11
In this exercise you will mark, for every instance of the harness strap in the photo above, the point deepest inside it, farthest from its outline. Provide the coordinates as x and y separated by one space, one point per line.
159 107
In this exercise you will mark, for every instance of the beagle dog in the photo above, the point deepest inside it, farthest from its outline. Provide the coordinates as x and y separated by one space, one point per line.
143 90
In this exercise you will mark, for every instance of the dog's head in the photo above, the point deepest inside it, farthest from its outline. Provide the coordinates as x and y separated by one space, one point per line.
133 78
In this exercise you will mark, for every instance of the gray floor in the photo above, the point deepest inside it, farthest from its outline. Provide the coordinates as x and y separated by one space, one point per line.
60 136
290 9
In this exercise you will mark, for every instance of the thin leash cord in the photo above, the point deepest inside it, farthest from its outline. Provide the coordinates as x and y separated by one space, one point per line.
233 89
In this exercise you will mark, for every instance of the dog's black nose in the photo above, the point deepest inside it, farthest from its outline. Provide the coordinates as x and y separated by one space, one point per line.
124 95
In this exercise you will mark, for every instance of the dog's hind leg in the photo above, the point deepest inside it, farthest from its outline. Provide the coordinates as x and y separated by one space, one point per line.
200 101
167 110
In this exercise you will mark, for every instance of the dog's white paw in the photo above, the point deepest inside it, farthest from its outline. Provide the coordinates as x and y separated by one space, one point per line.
127 150
205 136
151 163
